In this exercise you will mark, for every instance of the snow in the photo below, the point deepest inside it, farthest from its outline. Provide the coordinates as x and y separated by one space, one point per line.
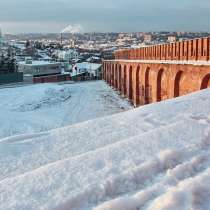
42 107
182 62
88 66
156 157
38 63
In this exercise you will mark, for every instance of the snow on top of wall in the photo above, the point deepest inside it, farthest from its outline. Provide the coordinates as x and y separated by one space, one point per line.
189 62
156 157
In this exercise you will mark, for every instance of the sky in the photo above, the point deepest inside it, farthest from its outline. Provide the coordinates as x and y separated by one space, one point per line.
17 16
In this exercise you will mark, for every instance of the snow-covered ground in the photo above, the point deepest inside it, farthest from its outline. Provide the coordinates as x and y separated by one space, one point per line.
155 157
42 107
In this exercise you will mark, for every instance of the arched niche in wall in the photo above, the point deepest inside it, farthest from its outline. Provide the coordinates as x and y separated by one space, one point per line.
205 82
177 83
147 86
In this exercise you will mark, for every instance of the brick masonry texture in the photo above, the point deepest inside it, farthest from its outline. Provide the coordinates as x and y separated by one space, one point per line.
140 76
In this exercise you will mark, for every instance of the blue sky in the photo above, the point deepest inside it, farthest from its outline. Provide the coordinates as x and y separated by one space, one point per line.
104 15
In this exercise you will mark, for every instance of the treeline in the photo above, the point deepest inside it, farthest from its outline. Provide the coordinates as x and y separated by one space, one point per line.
7 64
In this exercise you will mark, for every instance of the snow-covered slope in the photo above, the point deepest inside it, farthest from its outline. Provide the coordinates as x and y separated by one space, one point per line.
156 157
37 108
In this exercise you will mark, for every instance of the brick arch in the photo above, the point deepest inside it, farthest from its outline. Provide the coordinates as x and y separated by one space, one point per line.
120 78
125 80
108 72
159 84
105 71
138 85
112 75
116 76
147 86
130 82
177 83
205 82
162 87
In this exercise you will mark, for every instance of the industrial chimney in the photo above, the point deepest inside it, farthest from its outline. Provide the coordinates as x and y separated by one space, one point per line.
61 38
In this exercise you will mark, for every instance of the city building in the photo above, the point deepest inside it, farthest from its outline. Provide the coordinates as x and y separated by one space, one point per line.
86 71
67 55
38 68
147 38
172 39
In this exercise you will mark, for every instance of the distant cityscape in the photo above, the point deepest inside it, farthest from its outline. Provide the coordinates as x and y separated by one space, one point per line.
78 55
101 41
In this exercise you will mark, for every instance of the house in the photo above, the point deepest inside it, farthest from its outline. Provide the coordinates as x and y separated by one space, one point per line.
68 55
39 68
88 70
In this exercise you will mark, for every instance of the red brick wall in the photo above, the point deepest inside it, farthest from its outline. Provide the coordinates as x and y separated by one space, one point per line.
146 83
51 79
197 49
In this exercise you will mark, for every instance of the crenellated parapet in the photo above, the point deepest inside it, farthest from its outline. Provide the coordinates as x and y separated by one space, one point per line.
194 50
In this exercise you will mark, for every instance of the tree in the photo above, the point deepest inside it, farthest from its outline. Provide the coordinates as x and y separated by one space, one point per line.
28 43
12 65
2 63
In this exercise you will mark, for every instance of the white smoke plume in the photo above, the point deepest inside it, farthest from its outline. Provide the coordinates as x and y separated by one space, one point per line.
73 29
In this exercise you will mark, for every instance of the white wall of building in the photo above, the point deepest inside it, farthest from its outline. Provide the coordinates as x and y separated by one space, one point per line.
68 55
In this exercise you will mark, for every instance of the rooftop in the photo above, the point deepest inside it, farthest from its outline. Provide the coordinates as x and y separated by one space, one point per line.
38 63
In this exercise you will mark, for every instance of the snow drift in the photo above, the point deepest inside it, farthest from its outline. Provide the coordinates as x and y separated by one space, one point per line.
156 157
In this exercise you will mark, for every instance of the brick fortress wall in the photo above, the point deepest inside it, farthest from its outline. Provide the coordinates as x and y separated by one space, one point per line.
160 72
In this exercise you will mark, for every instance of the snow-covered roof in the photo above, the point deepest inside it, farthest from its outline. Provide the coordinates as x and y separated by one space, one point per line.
38 63
19 46
88 66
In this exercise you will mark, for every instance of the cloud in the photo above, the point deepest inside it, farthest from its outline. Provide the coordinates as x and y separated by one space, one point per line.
99 15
